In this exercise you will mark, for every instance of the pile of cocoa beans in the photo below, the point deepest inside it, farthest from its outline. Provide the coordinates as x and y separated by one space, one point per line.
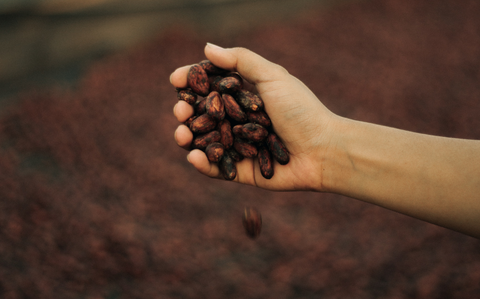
229 122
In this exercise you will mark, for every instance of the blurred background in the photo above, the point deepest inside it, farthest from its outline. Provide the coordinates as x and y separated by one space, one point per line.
97 200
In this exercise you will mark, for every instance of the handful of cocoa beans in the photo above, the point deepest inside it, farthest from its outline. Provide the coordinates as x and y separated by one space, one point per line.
229 121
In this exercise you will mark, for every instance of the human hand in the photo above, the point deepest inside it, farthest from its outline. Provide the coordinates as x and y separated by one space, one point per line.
298 117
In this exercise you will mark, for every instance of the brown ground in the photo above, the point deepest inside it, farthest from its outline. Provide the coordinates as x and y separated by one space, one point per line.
97 200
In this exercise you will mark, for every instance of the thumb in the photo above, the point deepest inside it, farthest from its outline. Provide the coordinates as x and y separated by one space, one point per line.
253 67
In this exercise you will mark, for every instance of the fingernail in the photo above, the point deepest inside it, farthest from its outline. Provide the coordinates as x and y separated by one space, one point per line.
188 158
215 46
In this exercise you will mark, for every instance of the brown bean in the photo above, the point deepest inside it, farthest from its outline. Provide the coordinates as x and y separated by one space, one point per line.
249 100
226 134
197 80
259 117
214 152
233 109
203 124
210 68
202 141
254 132
214 106
187 95
227 167
230 84
252 222
245 148
278 149
265 161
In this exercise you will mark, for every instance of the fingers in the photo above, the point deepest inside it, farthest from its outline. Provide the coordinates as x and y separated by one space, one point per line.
179 77
200 161
183 136
182 111
253 67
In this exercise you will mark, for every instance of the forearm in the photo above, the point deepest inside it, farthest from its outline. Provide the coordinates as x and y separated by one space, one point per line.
432 178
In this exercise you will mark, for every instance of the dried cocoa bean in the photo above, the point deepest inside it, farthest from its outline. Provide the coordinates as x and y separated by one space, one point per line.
278 149
200 107
210 68
234 155
230 84
254 132
245 148
226 134
187 95
202 141
237 130
265 161
227 167
252 222
233 109
214 152
189 121
203 124
249 100
197 80
259 117
214 106
214 81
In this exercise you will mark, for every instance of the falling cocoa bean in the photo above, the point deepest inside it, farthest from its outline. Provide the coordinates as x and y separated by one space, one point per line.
252 222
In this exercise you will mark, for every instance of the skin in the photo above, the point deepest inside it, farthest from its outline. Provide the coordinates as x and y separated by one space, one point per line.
432 178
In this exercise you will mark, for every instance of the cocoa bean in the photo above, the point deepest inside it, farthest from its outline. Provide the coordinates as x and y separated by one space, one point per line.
278 149
234 155
227 167
210 68
200 107
233 109
197 80
265 161
237 130
214 81
259 117
226 134
230 84
189 121
187 95
254 132
252 222
249 100
245 148
202 141
214 106
214 152
203 124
